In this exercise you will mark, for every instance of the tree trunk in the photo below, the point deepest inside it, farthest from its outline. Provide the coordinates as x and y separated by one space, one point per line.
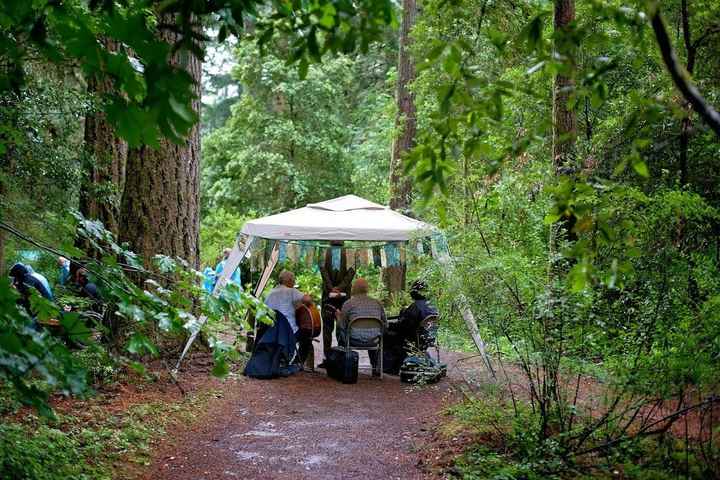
160 207
7 163
101 193
405 121
564 125
564 118
394 277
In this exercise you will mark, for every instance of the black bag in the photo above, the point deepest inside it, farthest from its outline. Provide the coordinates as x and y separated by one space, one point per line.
342 365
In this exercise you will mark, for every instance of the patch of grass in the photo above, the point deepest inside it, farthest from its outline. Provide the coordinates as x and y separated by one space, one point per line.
89 445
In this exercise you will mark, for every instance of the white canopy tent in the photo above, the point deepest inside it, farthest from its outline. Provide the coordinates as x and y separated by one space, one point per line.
343 218
346 218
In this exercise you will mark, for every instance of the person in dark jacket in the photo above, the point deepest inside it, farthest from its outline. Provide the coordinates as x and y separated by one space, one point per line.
412 316
24 280
336 284
411 331
88 289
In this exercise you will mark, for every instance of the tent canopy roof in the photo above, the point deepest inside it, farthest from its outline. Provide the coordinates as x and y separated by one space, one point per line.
344 218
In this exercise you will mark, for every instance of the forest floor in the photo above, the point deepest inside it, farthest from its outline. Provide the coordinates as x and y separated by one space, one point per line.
310 426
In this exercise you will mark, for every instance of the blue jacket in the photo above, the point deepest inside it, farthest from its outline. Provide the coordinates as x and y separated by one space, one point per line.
24 280
209 279
234 278
64 273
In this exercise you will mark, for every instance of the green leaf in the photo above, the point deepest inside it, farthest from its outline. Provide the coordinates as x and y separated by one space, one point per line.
578 277
640 167
139 344
303 68
221 368
75 327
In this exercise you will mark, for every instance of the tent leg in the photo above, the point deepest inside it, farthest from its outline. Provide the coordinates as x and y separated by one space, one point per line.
264 278
237 255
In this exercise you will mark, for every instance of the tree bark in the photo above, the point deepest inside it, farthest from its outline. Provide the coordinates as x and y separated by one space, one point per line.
101 193
160 207
405 120
394 278
564 118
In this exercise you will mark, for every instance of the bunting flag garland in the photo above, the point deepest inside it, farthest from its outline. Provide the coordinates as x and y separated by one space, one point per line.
282 252
261 260
427 246
350 257
336 252
377 261
293 252
392 254
363 257
254 262
310 255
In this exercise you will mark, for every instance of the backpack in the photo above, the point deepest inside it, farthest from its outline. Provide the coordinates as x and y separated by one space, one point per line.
422 369
309 319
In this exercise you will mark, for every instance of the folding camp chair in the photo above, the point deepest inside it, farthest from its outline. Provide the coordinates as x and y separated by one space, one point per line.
372 343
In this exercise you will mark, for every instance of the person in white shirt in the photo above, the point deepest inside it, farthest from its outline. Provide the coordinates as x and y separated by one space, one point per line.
285 298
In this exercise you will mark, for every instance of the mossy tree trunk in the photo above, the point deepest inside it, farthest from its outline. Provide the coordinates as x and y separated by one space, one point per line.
406 119
160 206
101 192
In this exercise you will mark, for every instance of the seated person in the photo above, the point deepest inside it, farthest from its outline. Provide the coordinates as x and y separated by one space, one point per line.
64 270
88 290
285 298
308 319
409 332
412 317
361 305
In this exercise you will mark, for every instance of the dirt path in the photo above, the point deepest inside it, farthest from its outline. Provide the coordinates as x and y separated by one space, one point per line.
306 426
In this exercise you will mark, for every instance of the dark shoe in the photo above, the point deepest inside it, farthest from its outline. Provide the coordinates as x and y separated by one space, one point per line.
375 373
323 364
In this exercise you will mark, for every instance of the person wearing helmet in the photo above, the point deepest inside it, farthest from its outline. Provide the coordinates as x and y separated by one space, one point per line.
420 308
412 328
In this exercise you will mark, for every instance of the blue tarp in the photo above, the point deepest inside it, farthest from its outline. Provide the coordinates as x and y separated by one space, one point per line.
273 351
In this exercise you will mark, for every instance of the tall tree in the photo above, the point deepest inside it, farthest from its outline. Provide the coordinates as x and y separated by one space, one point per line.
160 206
405 131
101 192
564 118
406 120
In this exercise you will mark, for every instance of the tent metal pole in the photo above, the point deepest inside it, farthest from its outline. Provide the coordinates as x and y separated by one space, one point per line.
265 277
242 246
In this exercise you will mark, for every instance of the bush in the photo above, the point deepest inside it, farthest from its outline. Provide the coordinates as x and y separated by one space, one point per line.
102 368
